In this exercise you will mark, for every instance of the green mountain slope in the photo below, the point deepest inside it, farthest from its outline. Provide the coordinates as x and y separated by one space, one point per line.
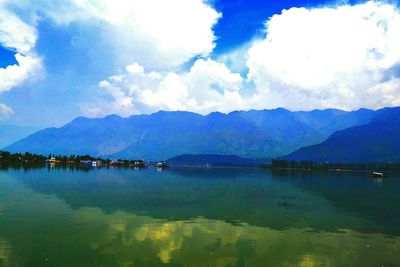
376 141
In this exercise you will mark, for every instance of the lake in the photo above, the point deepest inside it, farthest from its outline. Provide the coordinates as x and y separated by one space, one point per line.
197 217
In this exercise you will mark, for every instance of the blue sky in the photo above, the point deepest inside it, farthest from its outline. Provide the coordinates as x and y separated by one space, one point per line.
7 57
100 57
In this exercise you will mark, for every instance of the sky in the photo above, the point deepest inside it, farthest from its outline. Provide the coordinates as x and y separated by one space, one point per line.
60 59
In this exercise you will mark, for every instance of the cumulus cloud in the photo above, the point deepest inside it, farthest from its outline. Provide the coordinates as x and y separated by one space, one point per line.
206 87
155 33
344 57
340 57
15 33
14 75
19 36
159 35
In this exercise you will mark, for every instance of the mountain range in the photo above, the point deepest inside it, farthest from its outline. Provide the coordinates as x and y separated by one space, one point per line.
376 141
162 135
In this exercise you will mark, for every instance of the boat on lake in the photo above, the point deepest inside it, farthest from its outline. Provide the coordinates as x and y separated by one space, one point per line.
52 161
138 164
377 174
162 165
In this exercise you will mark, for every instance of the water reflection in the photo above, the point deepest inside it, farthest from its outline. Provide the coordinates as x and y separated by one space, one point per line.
202 242
4 253
321 201
198 218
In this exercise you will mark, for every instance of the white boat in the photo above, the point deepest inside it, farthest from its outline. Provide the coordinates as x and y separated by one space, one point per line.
162 165
377 174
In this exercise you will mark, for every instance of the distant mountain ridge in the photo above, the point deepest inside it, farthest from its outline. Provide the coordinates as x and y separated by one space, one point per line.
162 135
376 141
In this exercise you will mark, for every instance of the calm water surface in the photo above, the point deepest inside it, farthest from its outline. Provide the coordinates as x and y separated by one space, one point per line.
197 217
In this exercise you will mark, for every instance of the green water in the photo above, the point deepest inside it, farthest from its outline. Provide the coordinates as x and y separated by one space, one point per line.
197 217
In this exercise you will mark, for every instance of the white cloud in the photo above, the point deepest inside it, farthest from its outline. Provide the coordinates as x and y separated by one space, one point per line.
208 86
159 35
14 75
344 57
19 36
155 33
15 33
329 57
5 111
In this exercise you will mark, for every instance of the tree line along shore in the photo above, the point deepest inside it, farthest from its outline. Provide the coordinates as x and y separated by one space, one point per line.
7 158
282 164
31 159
